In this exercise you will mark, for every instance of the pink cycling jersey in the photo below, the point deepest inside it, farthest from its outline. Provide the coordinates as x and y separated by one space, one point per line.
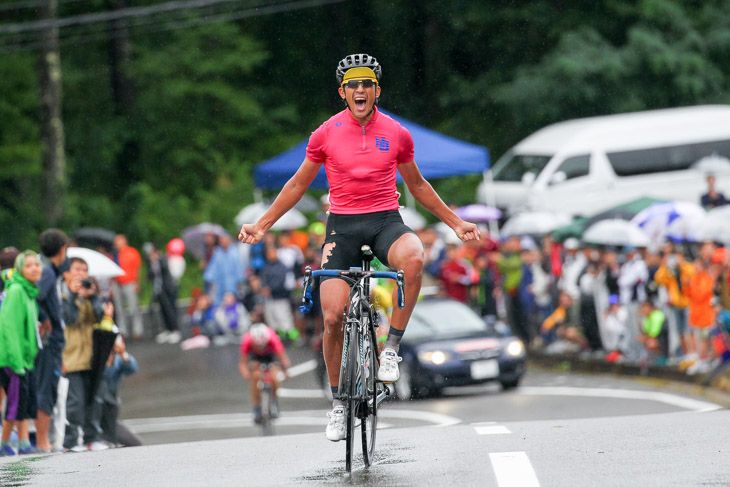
361 162
273 347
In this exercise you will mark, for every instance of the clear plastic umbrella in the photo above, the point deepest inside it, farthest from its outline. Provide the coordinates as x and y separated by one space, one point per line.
616 232
290 220
535 223
100 266
715 226
412 218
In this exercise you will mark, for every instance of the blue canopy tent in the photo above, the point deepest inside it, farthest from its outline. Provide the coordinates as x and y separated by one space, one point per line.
437 156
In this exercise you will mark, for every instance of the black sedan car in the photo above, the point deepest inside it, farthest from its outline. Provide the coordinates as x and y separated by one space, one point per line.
447 344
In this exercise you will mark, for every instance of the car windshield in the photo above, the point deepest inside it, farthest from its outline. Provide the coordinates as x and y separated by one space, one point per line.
511 166
443 319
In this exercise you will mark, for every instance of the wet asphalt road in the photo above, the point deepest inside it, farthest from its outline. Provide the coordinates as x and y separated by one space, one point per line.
553 430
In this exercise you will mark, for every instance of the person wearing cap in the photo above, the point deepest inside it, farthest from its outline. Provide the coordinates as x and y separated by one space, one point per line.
362 149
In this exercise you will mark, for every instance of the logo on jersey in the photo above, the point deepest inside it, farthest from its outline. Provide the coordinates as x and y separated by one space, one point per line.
337 124
382 143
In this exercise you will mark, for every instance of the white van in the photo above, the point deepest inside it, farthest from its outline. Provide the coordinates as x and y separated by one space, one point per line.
587 165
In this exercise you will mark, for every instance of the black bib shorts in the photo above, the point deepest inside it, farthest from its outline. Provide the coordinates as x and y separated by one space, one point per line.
349 233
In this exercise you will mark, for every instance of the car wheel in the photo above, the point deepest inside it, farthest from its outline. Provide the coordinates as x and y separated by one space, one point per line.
509 384
404 385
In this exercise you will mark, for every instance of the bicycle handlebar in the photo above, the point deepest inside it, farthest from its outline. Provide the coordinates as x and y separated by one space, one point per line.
355 273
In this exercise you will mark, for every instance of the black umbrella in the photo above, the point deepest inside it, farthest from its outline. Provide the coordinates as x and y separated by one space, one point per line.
103 343
94 237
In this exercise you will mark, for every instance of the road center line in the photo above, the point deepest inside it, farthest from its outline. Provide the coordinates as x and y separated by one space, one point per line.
663 397
513 469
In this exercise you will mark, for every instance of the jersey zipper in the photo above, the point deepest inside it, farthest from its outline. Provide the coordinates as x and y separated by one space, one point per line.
364 145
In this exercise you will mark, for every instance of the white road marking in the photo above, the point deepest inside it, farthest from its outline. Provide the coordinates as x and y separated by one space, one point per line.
513 469
300 393
437 419
663 397
242 420
302 368
492 430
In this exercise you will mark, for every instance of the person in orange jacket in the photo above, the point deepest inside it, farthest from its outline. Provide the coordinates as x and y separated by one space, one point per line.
674 274
700 292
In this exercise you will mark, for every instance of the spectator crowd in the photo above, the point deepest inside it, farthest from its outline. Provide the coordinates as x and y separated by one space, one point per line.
651 306
665 306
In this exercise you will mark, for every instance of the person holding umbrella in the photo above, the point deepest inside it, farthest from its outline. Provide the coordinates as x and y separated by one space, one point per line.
82 309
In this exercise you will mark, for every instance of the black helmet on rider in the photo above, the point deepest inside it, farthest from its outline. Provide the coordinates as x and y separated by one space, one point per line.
365 66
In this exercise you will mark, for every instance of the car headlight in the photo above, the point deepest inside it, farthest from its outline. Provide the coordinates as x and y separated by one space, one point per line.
436 357
515 348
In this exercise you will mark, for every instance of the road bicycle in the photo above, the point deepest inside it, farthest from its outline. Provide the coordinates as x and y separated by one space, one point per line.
268 411
358 388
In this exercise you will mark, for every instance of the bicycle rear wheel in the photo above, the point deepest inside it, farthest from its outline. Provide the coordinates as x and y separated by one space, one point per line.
370 395
351 403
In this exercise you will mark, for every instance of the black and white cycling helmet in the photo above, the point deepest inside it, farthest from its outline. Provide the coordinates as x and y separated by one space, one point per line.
357 61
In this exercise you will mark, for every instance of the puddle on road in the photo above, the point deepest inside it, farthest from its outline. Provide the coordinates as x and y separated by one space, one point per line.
18 473
390 453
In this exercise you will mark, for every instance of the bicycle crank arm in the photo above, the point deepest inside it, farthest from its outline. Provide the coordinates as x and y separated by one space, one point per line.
382 395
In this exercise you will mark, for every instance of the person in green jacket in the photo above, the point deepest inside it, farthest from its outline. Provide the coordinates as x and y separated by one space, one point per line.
19 341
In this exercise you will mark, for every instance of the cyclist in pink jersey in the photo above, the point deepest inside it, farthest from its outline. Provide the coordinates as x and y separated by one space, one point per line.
361 149
259 345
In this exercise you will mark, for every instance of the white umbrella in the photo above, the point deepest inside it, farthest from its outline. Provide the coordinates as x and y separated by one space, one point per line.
290 220
656 219
715 226
535 223
616 232
412 218
100 265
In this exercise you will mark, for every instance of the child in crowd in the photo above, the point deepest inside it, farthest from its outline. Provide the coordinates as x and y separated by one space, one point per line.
107 400
654 334
231 317
559 331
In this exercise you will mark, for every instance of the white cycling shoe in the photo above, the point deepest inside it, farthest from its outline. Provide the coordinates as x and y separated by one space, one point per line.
336 427
388 371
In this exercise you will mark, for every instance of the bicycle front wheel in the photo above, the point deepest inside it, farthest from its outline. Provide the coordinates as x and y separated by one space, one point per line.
351 403
267 425
370 395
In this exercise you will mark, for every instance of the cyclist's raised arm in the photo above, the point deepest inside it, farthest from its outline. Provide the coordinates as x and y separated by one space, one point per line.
427 196
290 194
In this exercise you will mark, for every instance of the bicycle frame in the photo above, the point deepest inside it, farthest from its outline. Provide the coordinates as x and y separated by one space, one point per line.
361 399
265 385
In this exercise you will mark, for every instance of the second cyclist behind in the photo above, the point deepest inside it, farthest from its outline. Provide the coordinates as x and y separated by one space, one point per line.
361 149
260 345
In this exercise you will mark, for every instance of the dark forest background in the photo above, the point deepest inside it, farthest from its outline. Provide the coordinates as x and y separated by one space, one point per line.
164 110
